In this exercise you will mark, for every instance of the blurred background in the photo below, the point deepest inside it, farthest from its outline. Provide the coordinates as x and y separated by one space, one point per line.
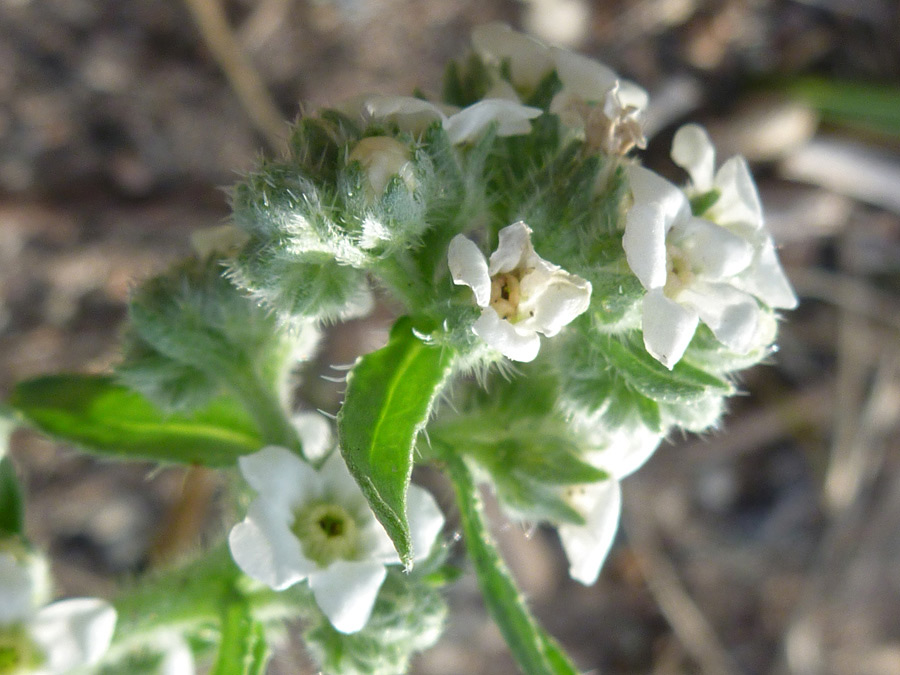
771 545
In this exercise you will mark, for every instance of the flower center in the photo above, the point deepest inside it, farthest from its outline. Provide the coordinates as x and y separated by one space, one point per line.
505 295
679 273
18 653
327 532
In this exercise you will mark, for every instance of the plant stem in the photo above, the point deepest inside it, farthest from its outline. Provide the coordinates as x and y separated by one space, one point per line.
535 652
266 409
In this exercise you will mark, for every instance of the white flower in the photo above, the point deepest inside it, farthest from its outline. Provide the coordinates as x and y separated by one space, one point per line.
57 638
600 504
593 100
737 208
414 115
521 293
316 525
700 269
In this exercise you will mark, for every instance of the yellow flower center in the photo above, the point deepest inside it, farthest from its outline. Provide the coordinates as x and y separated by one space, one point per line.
505 296
679 273
327 532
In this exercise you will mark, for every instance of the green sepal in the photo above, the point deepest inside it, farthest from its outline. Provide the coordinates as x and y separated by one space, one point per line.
103 417
465 84
316 144
12 502
549 86
532 500
701 203
706 352
389 397
649 377
514 432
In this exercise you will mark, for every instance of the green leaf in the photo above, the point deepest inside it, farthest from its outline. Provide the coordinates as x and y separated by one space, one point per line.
649 377
389 397
243 650
534 650
106 418
12 509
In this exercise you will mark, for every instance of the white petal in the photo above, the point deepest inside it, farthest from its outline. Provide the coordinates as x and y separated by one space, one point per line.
631 95
529 59
649 187
425 520
264 547
279 475
731 314
767 281
410 114
471 122
658 206
502 89
587 545
713 251
513 246
502 336
559 299
315 434
338 485
73 633
739 200
468 266
17 589
587 78
346 592
627 451
668 327
693 151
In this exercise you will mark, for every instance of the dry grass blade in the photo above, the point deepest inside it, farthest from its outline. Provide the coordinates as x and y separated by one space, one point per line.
684 616
244 80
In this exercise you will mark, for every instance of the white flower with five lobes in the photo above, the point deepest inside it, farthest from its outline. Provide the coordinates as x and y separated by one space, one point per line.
54 639
521 293
715 268
316 525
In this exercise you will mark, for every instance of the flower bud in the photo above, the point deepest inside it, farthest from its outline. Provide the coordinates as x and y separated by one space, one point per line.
382 158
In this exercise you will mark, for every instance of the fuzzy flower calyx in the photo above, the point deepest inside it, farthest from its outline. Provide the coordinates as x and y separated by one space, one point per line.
316 525
521 293
714 265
